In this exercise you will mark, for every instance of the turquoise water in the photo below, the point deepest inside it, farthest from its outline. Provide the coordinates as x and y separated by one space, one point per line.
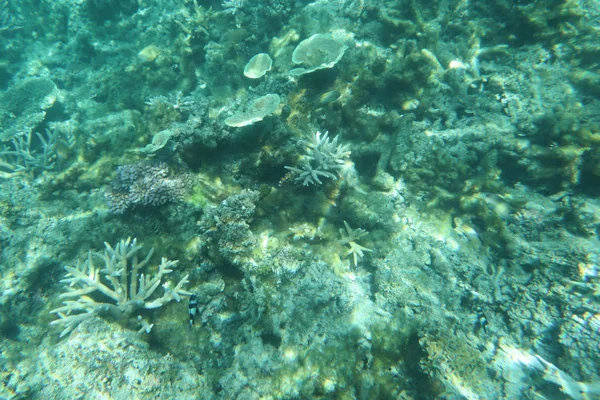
299 200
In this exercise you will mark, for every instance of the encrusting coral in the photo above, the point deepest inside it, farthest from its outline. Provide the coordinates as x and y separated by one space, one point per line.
144 184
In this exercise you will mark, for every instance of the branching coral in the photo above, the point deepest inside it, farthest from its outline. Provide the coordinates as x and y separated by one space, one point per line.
349 237
120 280
25 157
324 158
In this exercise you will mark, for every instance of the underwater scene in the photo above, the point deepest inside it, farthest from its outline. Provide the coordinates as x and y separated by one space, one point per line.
298 199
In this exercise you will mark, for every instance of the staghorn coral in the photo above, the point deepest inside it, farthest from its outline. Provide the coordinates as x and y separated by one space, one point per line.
324 158
27 158
349 237
120 280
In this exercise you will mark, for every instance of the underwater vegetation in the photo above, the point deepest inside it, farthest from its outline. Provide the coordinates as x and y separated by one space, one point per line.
353 199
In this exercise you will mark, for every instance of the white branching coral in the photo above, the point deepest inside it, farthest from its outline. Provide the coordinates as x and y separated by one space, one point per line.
119 280
232 6
349 237
324 158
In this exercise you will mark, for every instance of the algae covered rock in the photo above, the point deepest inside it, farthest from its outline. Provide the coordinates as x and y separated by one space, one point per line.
121 363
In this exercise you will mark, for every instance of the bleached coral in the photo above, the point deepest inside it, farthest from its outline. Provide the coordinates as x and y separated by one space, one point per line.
119 280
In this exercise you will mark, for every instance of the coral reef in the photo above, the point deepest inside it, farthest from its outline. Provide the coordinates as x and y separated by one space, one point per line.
464 137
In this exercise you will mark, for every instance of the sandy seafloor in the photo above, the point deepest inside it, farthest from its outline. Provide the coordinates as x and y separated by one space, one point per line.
362 199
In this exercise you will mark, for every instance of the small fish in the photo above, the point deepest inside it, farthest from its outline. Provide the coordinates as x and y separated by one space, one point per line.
328 98
192 309
482 323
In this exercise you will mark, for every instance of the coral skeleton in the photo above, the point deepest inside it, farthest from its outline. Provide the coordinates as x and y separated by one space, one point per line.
119 280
